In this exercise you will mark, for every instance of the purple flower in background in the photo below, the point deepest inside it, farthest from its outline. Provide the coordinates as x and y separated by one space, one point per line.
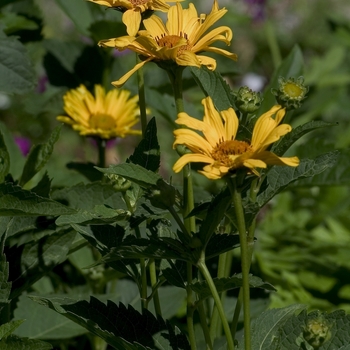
256 9
23 144
42 82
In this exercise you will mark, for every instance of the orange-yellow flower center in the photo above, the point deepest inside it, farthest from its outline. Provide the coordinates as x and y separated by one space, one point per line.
170 41
138 2
224 151
102 121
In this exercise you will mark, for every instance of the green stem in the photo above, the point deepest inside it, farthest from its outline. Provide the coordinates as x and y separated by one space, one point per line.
245 259
190 309
142 98
273 44
154 282
205 328
101 145
206 274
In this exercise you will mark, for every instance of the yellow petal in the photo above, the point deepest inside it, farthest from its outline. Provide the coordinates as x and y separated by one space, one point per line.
120 82
132 20
174 24
154 26
231 123
209 62
190 158
213 36
187 58
192 140
272 159
225 53
213 119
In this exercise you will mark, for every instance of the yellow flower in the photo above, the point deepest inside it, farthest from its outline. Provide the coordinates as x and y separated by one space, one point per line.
132 10
107 115
218 147
180 40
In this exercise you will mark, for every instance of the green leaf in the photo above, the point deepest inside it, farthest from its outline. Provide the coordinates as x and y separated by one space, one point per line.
134 173
5 286
4 159
215 213
87 169
15 343
100 214
119 326
14 22
37 258
175 272
9 327
147 153
16 201
213 85
281 147
79 12
228 283
279 177
38 157
66 52
16 70
292 66
266 327
221 243
43 187
43 323
337 175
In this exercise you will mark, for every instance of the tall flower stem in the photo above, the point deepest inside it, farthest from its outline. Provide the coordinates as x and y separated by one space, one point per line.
142 98
175 76
153 278
206 274
245 259
101 145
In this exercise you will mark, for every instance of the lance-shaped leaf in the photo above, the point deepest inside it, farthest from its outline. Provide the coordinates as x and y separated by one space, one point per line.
280 177
221 243
160 248
147 153
33 260
100 214
227 283
38 157
16 70
5 286
119 326
16 201
134 173
286 141
4 159
8 328
292 66
213 85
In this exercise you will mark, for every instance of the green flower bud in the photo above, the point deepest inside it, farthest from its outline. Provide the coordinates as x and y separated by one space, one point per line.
119 183
247 100
291 92
317 331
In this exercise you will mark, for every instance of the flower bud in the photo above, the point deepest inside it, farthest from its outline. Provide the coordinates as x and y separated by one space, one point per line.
119 183
291 92
317 331
247 100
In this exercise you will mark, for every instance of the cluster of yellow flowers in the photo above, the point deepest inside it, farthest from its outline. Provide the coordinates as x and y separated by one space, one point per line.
183 39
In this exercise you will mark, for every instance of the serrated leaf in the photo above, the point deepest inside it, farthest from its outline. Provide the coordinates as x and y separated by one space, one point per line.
291 66
38 157
176 273
221 243
43 187
86 169
228 283
35 259
4 159
215 213
147 153
134 173
281 147
266 327
16 70
100 214
213 85
117 325
177 340
17 201
16 343
280 177
8 328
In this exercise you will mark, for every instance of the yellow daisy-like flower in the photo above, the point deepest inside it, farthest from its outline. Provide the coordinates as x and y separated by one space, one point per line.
107 115
132 10
218 147
184 35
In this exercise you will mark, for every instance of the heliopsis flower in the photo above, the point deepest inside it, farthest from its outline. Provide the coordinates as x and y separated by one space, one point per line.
132 10
105 115
218 147
181 39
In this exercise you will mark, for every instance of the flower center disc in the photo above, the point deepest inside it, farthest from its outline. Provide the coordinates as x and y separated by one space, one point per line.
168 40
102 121
293 90
138 2
225 149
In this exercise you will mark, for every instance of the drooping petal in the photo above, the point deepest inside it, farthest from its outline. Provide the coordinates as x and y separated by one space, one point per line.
192 140
132 20
188 58
190 158
209 62
272 159
213 36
